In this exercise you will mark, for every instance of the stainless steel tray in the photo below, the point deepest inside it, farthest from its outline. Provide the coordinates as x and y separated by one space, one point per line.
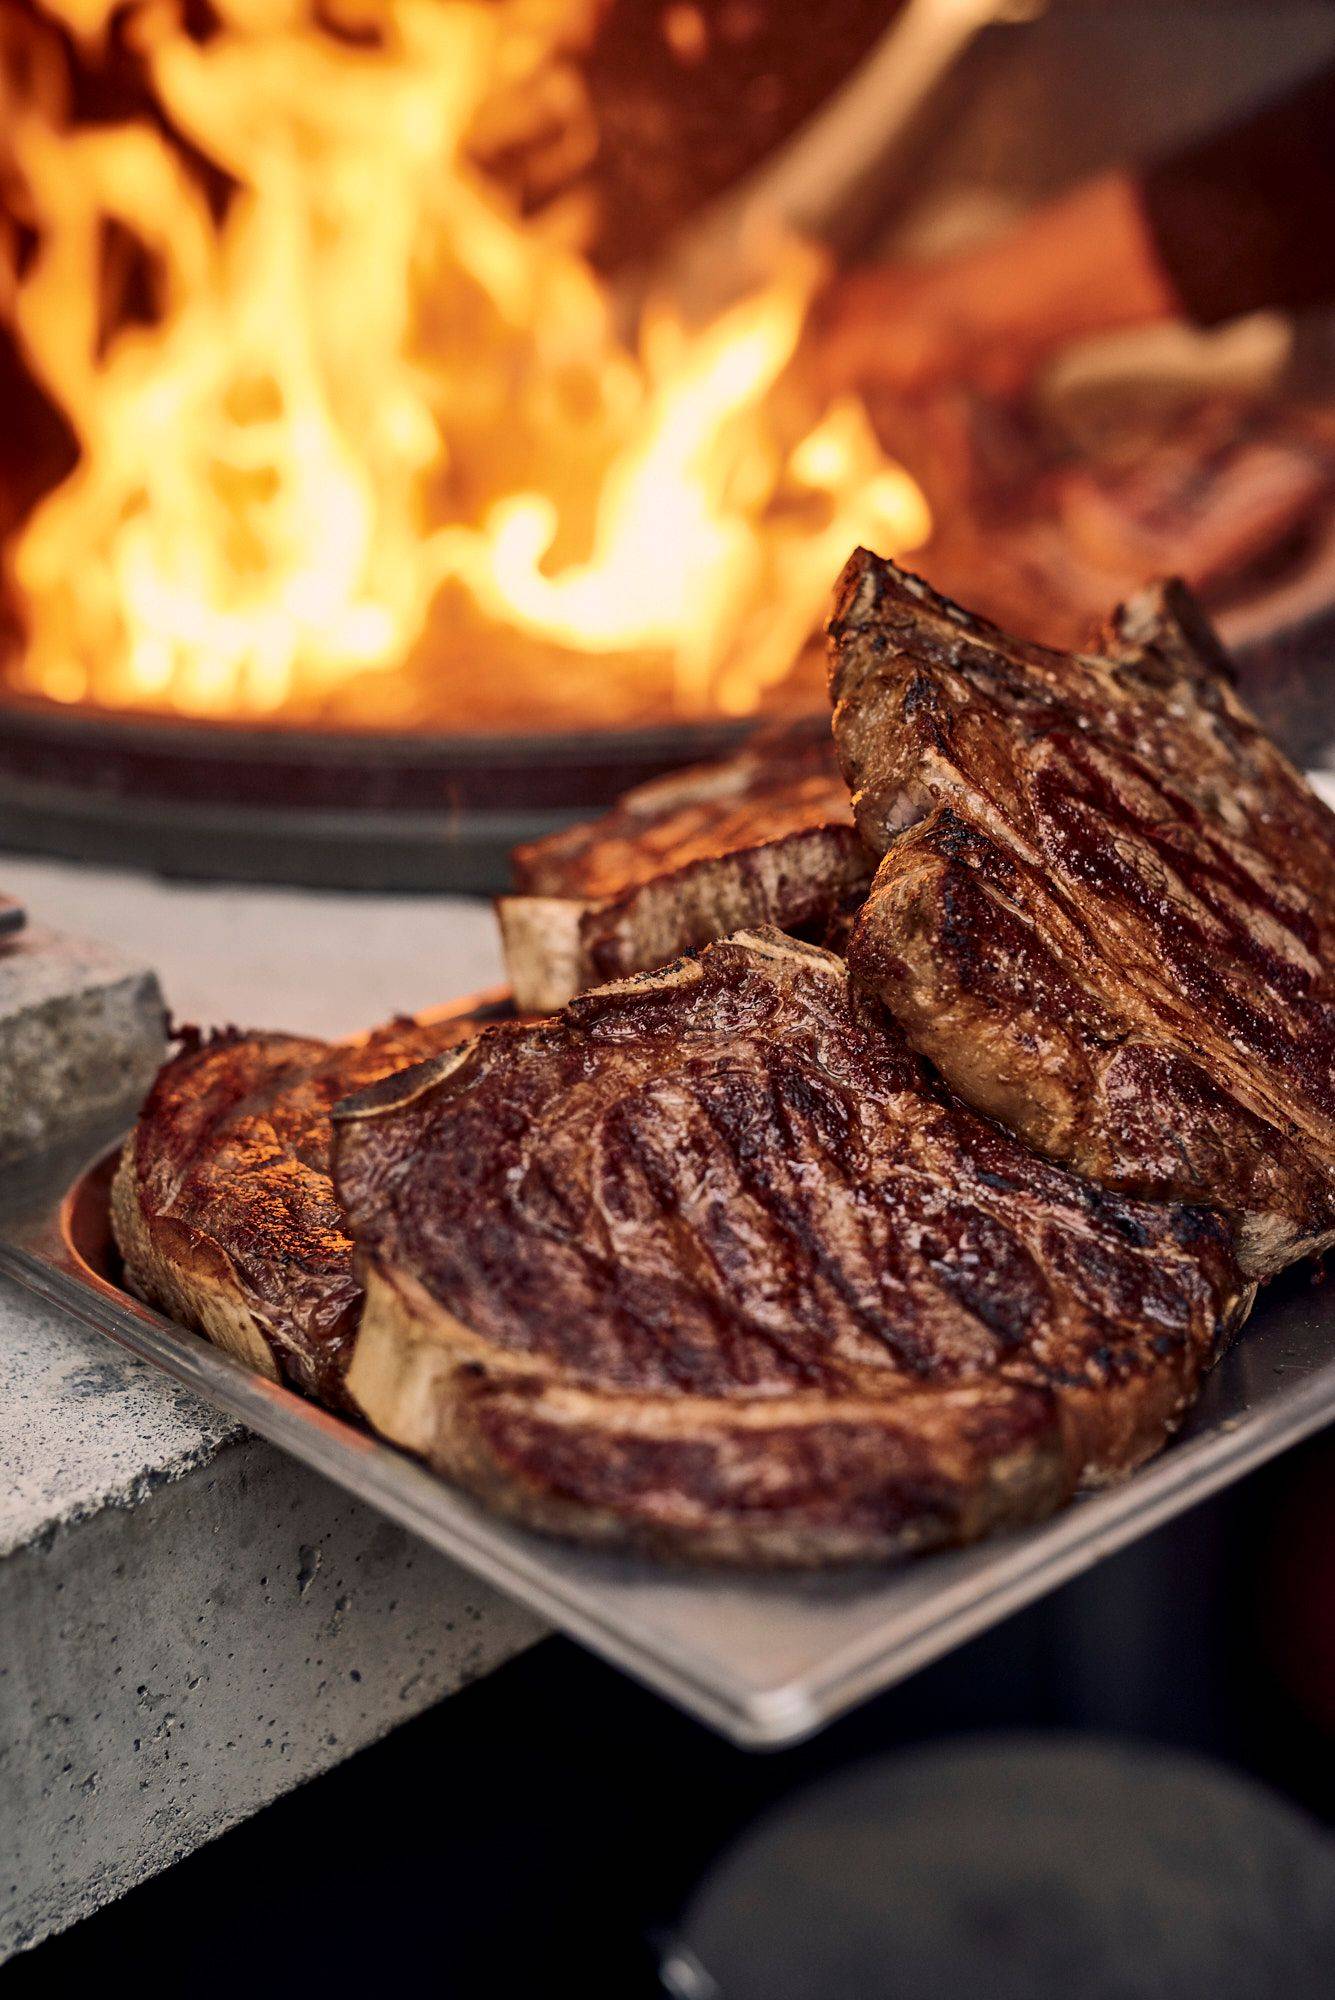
764 1660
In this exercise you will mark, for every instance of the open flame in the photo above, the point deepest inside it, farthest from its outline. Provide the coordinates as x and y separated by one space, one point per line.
366 426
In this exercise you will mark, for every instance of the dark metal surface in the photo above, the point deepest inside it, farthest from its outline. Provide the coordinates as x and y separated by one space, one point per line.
356 810
335 809
1288 680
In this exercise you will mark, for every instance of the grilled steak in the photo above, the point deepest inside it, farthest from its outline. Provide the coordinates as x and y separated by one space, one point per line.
711 1264
765 837
223 1206
1106 908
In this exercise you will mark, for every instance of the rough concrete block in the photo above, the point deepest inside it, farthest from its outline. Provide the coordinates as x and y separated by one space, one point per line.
189 1624
170 1666
81 1029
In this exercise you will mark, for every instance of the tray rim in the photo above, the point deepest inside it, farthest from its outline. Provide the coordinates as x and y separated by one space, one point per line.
1009 1571
310 1433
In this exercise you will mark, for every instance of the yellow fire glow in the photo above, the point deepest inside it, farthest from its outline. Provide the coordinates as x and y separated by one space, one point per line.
368 394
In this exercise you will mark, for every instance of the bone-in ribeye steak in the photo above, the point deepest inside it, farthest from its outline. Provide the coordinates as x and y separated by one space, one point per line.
223 1206
1106 908
710 1264
766 836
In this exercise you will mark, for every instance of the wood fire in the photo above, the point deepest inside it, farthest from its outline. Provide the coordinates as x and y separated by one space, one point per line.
359 441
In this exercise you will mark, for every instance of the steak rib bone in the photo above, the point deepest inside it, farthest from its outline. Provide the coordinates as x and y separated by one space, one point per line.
765 836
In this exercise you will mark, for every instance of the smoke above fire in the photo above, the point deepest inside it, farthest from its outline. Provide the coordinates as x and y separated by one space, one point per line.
358 439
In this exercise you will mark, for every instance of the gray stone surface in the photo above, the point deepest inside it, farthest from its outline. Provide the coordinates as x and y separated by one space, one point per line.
310 961
80 1026
169 1667
86 1425
190 1624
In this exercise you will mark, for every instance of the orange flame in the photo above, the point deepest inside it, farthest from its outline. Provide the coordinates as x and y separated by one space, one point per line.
374 414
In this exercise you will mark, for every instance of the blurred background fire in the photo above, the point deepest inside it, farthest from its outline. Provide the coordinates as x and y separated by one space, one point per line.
360 425
437 378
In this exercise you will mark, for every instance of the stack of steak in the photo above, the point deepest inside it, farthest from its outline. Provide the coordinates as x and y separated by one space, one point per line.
784 1254
765 837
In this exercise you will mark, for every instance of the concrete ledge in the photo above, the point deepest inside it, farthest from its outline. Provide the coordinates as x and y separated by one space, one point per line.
167 1669
189 1624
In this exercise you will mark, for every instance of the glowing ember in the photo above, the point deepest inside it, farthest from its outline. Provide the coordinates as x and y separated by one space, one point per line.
369 418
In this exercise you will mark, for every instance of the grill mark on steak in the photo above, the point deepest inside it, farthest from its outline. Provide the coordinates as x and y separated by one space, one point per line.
1197 861
223 1205
1110 917
712 1264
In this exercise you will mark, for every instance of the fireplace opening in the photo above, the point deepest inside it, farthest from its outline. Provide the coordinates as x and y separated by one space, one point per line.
414 436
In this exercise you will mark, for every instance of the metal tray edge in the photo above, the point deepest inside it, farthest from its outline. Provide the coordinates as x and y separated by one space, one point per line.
1019 1570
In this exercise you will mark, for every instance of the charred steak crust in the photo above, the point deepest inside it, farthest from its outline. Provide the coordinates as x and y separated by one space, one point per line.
1106 907
766 836
223 1206
711 1265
